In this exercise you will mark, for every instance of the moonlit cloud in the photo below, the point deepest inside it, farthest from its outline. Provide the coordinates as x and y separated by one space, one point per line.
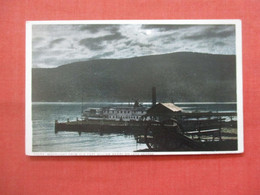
54 45
56 41
164 27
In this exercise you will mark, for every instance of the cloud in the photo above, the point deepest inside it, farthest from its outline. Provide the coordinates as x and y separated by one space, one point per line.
168 40
98 42
37 40
94 28
36 55
103 55
92 43
127 43
212 32
141 45
115 36
219 43
165 27
56 41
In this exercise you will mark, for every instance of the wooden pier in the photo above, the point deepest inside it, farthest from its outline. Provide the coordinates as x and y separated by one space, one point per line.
199 131
101 126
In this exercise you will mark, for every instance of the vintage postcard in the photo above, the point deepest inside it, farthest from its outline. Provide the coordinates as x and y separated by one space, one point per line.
134 87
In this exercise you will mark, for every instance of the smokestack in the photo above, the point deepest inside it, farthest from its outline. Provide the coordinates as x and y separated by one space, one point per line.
154 96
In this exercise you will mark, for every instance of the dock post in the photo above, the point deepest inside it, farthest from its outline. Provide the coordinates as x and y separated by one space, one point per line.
198 128
55 127
220 128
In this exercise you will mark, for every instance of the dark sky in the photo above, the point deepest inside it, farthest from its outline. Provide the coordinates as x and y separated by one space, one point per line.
57 44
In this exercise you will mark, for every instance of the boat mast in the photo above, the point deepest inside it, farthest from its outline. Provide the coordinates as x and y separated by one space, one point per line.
82 102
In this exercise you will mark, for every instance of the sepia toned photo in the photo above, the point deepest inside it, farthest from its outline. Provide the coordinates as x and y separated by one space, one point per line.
133 87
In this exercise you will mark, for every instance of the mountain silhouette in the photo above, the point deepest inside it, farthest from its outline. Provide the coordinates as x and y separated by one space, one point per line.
178 77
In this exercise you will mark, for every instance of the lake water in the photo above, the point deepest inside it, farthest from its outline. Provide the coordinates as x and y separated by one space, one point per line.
45 139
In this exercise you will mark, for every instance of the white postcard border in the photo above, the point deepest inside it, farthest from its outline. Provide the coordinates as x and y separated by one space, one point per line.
28 99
